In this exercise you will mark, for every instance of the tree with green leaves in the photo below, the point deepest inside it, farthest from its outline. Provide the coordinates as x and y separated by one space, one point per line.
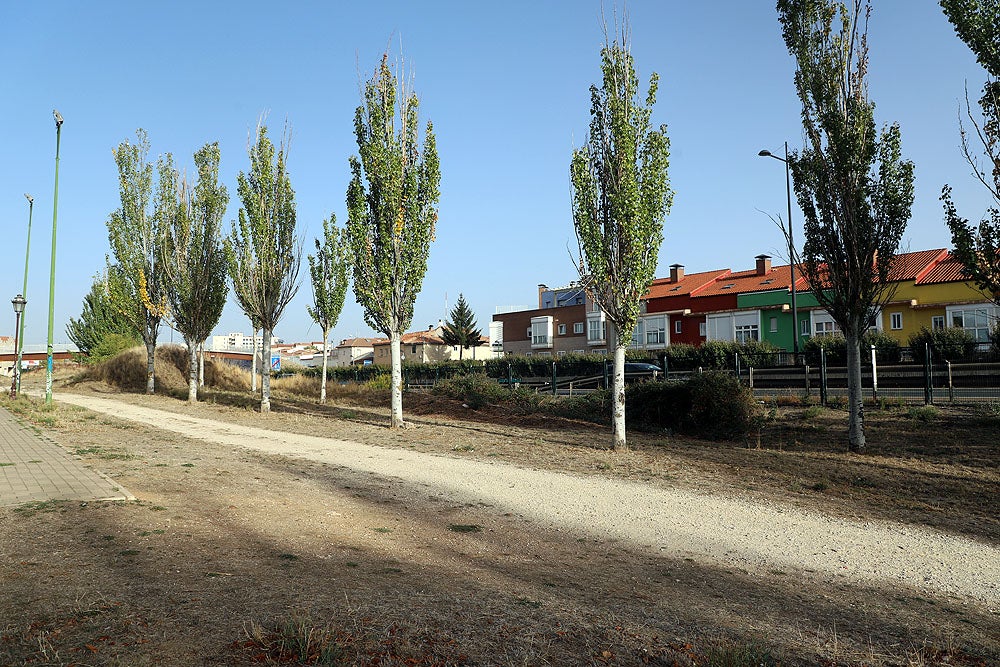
193 258
390 224
135 277
977 23
99 321
328 272
621 194
461 329
264 254
852 184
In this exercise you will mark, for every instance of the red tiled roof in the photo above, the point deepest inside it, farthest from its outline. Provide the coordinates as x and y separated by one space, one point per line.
911 265
662 287
947 270
779 277
362 342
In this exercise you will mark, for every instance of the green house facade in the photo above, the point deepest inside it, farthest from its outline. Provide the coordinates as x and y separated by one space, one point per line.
775 308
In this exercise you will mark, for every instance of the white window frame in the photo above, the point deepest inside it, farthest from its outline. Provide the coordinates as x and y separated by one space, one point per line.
702 330
541 332
896 321
655 331
562 329
678 323
983 318
597 328
773 324
578 328
937 322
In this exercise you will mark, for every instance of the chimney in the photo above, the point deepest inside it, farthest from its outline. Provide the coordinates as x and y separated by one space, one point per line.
763 264
542 288
676 273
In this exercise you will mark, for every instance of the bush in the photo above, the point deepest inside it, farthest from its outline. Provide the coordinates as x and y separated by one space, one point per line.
950 343
887 349
109 346
708 405
474 390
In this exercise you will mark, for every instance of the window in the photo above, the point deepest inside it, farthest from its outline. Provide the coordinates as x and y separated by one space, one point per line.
413 349
774 325
639 334
701 329
578 327
561 353
827 328
677 326
976 320
562 329
937 322
747 332
596 330
529 333
656 330
895 321
541 331
804 327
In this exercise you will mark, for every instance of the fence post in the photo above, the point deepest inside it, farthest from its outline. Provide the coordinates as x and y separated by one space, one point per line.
406 379
751 377
951 387
604 371
928 387
874 377
553 378
666 368
510 377
736 356
823 387
808 388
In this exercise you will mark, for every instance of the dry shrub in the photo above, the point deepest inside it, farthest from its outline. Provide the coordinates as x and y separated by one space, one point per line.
298 385
127 371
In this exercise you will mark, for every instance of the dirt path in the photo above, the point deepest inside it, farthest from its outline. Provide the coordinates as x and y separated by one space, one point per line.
710 529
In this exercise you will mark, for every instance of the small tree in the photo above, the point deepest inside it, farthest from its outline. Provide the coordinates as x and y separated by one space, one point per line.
263 251
461 329
135 278
193 258
328 274
853 186
621 195
99 320
977 23
391 222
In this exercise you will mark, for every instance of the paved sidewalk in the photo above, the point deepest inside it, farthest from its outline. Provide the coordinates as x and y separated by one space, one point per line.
33 468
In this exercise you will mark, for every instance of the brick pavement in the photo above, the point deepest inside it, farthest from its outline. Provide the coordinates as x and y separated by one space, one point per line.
33 468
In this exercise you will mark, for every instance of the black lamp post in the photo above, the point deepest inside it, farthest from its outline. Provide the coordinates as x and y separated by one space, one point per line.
791 247
19 303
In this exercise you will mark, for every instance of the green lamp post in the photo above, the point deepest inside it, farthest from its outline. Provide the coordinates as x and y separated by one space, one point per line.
24 290
52 272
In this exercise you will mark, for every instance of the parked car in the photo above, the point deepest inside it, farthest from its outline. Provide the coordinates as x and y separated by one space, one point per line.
635 371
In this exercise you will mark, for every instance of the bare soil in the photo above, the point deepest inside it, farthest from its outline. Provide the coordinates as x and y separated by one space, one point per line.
228 556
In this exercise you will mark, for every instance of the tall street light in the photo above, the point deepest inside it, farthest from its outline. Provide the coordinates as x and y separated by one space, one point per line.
791 247
24 290
52 272
15 384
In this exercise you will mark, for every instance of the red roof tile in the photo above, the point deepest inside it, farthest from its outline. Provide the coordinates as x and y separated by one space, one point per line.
779 277
662 287
947 270
911 265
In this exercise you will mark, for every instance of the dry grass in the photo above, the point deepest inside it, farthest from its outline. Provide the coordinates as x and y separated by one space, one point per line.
127 372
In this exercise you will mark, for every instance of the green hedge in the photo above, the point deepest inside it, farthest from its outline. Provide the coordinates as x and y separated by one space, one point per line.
887 349
950 343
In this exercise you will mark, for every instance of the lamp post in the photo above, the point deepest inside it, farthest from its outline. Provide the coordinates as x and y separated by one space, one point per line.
791 247
24 290
15 384
52 271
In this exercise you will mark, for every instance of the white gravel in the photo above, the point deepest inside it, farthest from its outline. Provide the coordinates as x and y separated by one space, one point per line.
710 529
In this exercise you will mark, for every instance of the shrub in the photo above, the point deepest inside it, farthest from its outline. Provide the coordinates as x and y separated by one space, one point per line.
887 349
475 390
950 343
109 346
593 407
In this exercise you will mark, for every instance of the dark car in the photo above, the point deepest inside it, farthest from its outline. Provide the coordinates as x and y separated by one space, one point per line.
637 371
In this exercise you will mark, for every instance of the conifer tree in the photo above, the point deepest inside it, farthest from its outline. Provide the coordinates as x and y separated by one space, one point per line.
461 329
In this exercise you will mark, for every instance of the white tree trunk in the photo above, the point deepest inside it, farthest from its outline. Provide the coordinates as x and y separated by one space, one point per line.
322 382
192 371
253 362
265 373
150 367
201 364
618 398
397 380
855 397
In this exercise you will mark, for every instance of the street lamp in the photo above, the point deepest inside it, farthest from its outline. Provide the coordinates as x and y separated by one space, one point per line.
24 290
791 247
19 301
52 271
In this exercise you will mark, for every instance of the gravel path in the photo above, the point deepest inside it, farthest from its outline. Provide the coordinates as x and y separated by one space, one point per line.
710 529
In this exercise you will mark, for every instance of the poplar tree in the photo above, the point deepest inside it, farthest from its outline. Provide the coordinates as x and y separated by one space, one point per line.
852 184
135 277
391 222
328 273
977 23
621 194
461 329
194 260
263 251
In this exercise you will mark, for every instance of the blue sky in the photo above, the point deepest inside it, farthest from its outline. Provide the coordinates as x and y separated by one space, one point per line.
506 85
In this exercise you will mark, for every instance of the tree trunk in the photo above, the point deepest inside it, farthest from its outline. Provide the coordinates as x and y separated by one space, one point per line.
855 398
397 380
201 364
192 347
322 382
618 396
265 373
150 366
253 362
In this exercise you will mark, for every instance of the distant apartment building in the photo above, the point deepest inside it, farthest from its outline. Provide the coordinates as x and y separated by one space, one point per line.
566 321
355 351
239 342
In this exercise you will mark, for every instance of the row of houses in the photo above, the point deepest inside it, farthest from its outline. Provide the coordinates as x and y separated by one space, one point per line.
753 305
